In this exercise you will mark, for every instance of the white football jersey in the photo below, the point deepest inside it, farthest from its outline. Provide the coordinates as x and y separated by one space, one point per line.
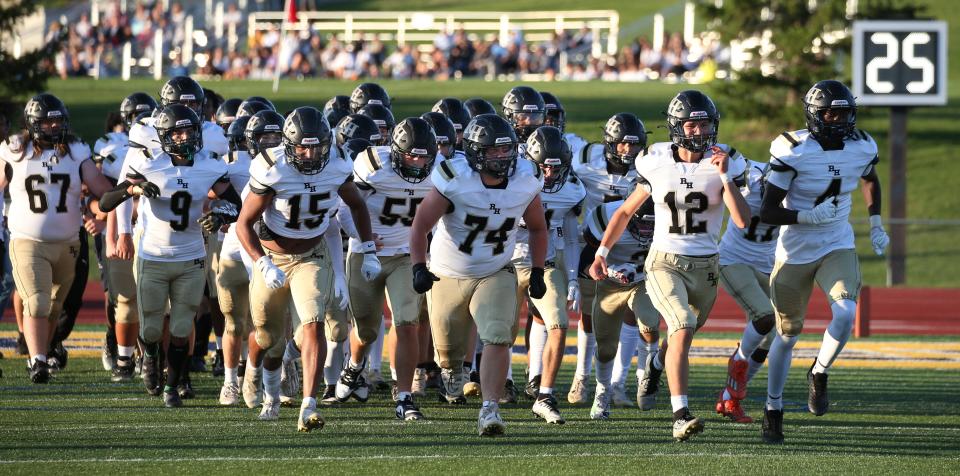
476 237
303 204
576 142
811 175
144 134
556 206
112 150
238 170
687 197
591 168
391 200
44 191
628 250
755 245
168 223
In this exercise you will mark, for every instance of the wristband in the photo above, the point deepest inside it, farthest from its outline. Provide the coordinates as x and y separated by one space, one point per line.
602 251
368 247
725 178
876 221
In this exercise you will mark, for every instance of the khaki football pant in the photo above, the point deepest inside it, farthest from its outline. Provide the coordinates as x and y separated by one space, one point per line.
837 273
553 304
233 294
159 283
212 244
490 301
749 288
683 288
367 297
612 300
43 273
305 295
123 289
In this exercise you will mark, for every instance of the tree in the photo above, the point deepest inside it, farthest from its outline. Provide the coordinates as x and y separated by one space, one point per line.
21 77
802 48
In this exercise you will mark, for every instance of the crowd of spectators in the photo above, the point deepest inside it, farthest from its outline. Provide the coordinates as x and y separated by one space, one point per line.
90 49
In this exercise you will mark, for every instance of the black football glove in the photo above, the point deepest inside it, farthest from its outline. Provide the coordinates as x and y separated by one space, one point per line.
146 189
221 213
422 278
537 287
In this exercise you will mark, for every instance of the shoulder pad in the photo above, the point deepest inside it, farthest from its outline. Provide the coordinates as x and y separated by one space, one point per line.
447 171
585 152
370 160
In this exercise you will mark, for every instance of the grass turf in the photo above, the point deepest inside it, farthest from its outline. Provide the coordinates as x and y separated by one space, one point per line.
881 421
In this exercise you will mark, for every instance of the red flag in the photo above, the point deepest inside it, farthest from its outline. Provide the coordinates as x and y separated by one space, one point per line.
291 11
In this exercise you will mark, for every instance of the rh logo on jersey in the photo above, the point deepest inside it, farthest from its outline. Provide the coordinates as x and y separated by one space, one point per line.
493 207
309 186
183 183
834 169
683 181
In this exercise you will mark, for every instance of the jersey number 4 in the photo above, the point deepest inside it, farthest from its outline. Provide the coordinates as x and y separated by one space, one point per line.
38 199
495 237
691 225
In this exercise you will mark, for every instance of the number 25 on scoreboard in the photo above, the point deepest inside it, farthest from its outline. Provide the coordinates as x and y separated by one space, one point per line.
900 63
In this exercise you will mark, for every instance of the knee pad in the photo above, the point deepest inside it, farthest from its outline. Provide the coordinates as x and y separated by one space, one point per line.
844 314
605 354
367 335
265 340
764 324
151 333
37 305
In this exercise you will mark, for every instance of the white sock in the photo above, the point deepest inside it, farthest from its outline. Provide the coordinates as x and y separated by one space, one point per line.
749 342
230 376
586 343
375 356
219 340
244 349
333 363
604 373
644 351
546 390
308 402
836 335
125 351
39 358
538 340
403 395
393 373
778 361
678 402
510 366
271 385
629 338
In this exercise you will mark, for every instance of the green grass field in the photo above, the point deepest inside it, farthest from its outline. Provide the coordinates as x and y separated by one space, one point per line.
882 421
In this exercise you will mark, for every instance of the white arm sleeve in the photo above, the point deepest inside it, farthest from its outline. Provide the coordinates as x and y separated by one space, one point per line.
345 218
124 213
335 246
571 245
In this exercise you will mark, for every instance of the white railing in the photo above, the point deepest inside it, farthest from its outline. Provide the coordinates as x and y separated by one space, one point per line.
423 27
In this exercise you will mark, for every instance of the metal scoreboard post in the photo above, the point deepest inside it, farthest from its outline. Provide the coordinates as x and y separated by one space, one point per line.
899 63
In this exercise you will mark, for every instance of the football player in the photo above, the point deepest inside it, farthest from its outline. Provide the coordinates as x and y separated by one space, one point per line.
186 91
690 180
357 126
478 201
557 117
112 148
172 183
46 166
812 174
295 189
622 289
336 109
607 172
746 260
366 94
394 181
227 113
382 116
445 131
458 115
477 106
562 196
523 108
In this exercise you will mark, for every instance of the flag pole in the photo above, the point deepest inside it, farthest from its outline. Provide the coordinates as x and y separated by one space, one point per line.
283 35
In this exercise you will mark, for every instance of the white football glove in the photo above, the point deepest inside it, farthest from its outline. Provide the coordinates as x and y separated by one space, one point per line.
371 267
273 276
573 295
878 236
825 212
341 292
624 273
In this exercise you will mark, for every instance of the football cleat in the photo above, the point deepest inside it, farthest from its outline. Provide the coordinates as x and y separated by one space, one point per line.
309 420
579 392
229 394
509 393
817 401
419 388
39 372
123 371
489 423
185 387
407 410
732 410
151 375
289 382
352 383
687 426
546 408
737 377
329 395
270 411
618 396
57 357
601 405
533 388
649 385
434 379
252 387
217 368
172 400
108 354
771 429
197 363
472 387
375 380
452 389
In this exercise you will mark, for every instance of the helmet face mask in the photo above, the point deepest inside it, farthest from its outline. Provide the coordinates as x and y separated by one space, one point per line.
306 140
490 145
687 118
624 137
444 130
641 226
384 120
454 109
134 105
830 111
547 148
179 130
236 135
555 114
413 149
524 109
47 119
227 113
263 131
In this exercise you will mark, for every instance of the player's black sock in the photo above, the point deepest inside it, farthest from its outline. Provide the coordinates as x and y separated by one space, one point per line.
759 355
150 350
176 365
